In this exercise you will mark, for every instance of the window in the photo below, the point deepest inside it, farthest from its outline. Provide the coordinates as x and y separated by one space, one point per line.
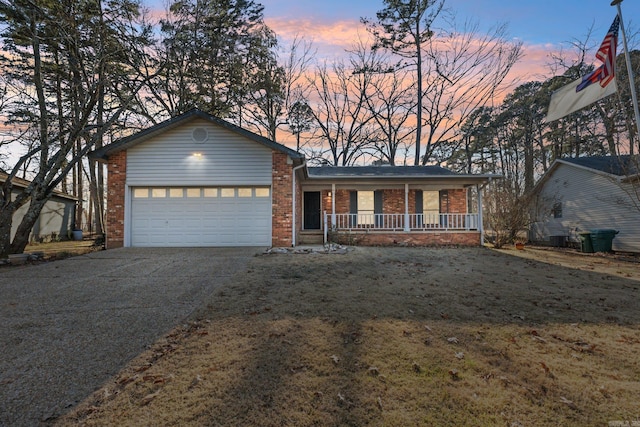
431 206
210 192
557 210
141 193
366 205
244 192
193 192
262 192
176 192
158 192
228 192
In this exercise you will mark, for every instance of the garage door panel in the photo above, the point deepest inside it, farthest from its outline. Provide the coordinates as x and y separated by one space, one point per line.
201 221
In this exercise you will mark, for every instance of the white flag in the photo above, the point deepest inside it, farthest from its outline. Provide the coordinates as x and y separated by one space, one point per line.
566 100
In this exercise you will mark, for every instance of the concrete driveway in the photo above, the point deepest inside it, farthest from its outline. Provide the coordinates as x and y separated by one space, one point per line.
70 325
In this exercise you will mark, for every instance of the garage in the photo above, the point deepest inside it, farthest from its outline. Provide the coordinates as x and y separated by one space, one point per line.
200 216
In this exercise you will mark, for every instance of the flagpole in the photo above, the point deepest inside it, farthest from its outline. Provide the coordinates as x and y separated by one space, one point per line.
632 85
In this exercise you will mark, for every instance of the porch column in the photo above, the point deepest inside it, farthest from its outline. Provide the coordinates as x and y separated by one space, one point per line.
406 208
333 205
480 226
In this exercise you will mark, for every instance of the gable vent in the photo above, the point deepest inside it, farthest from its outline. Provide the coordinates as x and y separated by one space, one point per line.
199 135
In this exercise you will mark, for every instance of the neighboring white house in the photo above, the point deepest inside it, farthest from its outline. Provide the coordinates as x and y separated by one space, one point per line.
585 193
56 218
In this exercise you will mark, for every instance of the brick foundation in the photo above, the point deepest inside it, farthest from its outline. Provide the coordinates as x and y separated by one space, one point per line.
116 180
467 238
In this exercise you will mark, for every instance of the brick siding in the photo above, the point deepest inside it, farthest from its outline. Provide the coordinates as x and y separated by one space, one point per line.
116 180
281 201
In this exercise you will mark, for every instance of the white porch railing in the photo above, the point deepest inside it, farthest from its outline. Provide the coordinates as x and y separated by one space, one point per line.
402 222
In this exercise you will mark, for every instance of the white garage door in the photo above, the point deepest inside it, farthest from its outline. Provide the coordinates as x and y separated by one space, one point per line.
188 216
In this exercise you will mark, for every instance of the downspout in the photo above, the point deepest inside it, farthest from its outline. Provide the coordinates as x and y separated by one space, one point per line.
293 197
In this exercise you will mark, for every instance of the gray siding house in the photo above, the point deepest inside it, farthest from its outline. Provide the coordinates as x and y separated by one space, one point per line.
580 194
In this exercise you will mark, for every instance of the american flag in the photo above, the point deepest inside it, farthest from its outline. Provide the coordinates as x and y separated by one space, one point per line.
607 52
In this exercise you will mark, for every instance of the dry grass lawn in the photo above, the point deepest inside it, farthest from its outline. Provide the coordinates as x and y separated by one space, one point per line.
396 337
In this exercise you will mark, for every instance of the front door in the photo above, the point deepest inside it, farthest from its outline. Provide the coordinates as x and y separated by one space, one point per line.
312 210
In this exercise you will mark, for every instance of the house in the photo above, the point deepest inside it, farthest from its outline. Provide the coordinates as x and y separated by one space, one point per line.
56 218
197 180
580 194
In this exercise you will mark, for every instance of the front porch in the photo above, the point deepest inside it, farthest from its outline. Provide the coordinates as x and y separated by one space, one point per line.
421 206
402 229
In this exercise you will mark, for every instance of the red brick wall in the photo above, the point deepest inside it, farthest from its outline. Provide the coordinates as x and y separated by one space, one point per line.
454 201
116 179
342 201
282 202
465 238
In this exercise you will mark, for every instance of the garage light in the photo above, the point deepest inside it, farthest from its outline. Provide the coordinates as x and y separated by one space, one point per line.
197 155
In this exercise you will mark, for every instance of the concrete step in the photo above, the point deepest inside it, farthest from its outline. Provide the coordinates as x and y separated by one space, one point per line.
314 238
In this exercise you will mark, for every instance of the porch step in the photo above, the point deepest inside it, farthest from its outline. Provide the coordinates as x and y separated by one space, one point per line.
311 238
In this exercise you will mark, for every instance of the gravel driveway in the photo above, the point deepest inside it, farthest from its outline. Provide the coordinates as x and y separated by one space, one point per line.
68 326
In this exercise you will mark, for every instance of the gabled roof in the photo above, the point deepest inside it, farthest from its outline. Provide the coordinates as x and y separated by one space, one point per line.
614 165
137 138
393 173
617 167
23 183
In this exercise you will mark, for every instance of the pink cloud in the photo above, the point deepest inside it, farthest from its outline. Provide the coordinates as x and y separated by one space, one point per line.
332 39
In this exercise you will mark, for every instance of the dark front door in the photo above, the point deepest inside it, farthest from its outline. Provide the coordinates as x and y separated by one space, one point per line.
312 210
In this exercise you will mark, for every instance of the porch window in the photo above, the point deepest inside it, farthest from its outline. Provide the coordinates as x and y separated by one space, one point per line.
427 208
431 205
557 210
365 207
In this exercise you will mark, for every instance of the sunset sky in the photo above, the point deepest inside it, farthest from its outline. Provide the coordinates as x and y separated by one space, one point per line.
544 26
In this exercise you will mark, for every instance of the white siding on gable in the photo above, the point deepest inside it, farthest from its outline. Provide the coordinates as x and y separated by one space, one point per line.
224 158
589 201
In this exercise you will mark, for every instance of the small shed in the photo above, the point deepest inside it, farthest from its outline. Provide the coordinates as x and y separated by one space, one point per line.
56 218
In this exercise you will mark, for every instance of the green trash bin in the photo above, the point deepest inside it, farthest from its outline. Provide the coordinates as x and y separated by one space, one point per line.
585 242
602 239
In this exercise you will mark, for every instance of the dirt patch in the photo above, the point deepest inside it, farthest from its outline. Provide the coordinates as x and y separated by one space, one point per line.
396 336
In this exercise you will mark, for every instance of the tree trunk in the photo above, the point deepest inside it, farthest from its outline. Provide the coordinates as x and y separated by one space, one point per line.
21 239
6 221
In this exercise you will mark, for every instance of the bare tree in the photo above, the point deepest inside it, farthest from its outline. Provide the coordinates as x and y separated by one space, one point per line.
341 113
392 103
466 71
404 27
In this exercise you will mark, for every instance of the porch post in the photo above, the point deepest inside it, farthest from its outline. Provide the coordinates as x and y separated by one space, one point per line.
333 205
480 226
406 208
